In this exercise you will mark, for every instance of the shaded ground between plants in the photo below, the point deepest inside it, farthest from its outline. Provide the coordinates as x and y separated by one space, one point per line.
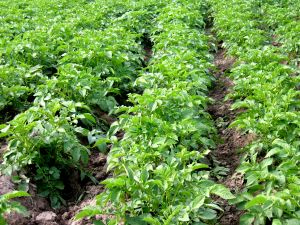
231 140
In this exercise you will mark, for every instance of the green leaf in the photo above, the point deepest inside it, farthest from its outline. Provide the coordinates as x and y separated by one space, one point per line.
88 212
144 175
272 152
266 162
129 172
4 131
293 221
101 144
109 54
115 126
114 182
207 214
247 219
89 117
60 185
98 222
276 222
76 153
101 141
152 221
17 207
138 220
197 202
14 194
184 218
158 141
214 206
258 200
222 191
82 131
199 166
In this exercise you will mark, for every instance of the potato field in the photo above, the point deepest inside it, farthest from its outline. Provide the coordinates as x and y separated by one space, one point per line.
149 112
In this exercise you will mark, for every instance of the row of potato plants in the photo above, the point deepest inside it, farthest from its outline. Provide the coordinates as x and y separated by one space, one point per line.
159 171
282 18
266 92
70 60
44 38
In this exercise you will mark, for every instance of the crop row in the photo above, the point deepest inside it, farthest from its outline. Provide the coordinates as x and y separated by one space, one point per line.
282 18
41 41
265 89
61 63
159 174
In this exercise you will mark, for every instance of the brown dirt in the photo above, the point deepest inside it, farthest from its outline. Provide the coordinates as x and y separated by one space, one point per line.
148 53
148 48
39 210
104 117
3 146
274 41
231 140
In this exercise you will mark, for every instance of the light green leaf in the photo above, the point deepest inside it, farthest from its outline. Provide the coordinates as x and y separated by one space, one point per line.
246 219
258 200
14 194
276 222
272 152
207 214
222 191
89 117
135 220
109 54
76 153
184 218
88 212
197 202
152 221
293 221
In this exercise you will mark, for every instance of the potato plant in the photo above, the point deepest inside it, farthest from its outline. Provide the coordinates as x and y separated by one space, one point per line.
266 89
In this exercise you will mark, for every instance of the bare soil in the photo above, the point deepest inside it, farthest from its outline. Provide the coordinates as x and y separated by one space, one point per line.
226 153
148 48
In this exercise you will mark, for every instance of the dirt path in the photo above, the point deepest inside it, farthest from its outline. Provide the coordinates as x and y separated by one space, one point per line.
226 154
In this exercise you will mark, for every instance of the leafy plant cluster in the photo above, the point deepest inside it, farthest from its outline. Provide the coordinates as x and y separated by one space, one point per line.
283 18
62 62
266 89
159 172
57 33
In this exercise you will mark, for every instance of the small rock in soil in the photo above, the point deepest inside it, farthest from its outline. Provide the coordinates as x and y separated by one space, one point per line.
46 216
5 185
